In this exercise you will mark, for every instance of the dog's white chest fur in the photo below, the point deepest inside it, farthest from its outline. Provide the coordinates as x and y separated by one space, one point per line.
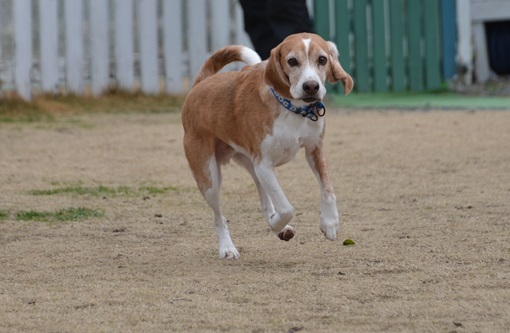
290 132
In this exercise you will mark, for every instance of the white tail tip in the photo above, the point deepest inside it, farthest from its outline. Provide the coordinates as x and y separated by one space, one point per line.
249 56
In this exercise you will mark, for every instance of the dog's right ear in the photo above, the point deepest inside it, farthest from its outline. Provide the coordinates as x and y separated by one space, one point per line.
274 76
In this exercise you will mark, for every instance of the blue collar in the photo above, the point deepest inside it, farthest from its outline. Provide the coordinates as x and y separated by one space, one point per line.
312 111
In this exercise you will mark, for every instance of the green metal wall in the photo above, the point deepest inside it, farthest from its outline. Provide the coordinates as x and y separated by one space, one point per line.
390 45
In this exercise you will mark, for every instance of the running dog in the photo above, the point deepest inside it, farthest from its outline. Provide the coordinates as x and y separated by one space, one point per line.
260 117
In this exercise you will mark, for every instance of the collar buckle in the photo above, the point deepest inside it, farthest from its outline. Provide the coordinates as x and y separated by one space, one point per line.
313 111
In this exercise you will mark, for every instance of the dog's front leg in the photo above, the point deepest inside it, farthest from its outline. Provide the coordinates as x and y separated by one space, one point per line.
329 213
284 212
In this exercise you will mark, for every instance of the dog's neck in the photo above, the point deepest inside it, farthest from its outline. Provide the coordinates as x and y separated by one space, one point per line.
312 111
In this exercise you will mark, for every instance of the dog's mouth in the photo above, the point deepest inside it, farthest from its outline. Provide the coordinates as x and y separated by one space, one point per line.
311 99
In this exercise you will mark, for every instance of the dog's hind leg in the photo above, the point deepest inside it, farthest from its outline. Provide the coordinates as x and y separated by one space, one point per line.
265 201
207 172
212 196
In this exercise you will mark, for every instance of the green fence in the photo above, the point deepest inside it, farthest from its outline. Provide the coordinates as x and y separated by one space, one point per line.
387 45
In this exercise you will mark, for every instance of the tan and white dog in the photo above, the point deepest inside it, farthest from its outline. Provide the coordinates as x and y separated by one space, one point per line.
260 117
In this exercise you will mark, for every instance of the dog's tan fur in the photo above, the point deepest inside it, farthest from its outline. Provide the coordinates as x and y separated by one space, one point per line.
230 115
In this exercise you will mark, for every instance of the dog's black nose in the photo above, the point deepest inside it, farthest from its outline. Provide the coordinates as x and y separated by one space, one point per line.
311 87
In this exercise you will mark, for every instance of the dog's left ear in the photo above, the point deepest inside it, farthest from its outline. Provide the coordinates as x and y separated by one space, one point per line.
336 72
274 75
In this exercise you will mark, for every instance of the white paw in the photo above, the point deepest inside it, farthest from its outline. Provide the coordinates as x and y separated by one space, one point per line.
329 228
329 218
229 253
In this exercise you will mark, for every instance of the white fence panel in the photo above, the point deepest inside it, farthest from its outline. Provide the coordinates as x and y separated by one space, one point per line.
151 45
49 45
99 45
220 27
73 17
23 42
197 35
124 44
173 45
148 47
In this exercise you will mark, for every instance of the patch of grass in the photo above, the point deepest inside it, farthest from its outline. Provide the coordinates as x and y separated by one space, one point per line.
3 215
15 109
114 101
104 191
47 107
81 190
157 190
63 215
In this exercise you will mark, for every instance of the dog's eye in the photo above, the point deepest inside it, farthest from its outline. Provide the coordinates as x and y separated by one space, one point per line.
323 60
293 62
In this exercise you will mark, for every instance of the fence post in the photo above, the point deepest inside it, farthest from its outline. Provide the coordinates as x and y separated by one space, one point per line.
449 38
22 10
124 50
342 30
379 46
197 37
49 44
74 45
361 45
220 24
398 79
432 52
149 46
172 43
414 34
1 37
99 45
321 18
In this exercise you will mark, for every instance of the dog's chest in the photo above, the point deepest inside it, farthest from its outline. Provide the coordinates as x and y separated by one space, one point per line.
290 133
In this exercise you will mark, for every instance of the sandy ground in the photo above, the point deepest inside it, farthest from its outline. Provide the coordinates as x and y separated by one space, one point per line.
425 196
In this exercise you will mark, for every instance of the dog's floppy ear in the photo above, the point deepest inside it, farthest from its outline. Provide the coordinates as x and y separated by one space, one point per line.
274 75
336 72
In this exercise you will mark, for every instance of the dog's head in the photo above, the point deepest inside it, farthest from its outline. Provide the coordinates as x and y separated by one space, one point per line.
299 67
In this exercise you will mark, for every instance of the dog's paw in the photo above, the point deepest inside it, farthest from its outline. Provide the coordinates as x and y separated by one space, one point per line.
330 228
287 233
229 253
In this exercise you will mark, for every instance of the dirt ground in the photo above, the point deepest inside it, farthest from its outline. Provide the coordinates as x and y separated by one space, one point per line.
425 196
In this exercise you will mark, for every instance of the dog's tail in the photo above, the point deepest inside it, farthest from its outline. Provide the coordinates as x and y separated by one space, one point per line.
225 56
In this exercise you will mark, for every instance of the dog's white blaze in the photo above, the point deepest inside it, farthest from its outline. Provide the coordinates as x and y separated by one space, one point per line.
307 41
249 56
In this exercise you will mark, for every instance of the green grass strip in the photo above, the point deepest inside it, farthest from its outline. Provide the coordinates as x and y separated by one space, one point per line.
104 191
63 215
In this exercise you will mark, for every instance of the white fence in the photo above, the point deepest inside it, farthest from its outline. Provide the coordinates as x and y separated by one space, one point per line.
89 46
